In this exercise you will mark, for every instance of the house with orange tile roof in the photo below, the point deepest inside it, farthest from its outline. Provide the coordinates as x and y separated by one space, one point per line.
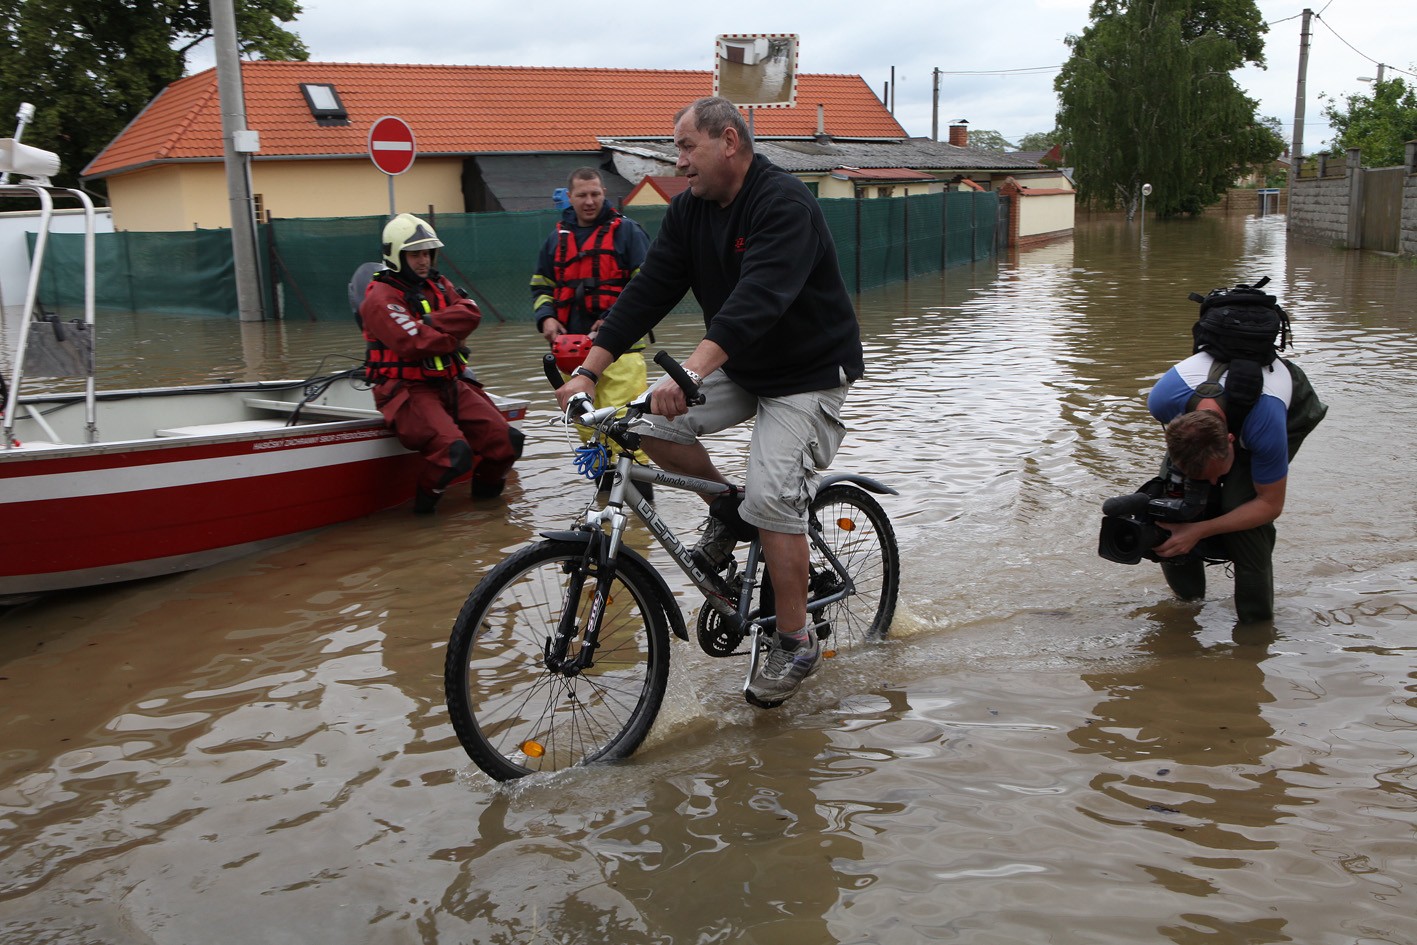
486 137
655 190
491 138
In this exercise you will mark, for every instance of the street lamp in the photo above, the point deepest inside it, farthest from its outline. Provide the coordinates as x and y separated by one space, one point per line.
1382 67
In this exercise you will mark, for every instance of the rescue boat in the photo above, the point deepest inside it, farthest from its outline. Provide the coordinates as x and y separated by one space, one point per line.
98 487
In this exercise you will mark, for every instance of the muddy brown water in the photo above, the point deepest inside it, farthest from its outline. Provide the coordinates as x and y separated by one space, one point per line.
1048 749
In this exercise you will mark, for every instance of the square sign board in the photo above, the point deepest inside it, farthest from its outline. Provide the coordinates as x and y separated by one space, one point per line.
756 70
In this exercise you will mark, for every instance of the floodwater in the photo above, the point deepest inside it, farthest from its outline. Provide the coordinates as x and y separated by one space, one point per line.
1048 749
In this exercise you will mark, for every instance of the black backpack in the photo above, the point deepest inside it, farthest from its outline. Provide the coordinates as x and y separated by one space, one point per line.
1244 330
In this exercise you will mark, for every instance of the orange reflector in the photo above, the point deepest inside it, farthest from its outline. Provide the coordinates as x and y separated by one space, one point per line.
533 749
846 524
828 654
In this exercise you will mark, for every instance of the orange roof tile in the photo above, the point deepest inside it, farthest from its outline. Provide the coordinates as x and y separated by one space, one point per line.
463 110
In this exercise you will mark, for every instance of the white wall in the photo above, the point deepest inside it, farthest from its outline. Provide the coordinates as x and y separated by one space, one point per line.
14 247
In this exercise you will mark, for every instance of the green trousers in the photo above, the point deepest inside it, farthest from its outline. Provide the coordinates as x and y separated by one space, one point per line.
1251 553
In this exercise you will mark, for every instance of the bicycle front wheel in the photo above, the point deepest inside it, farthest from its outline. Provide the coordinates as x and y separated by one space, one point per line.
855 530
512 714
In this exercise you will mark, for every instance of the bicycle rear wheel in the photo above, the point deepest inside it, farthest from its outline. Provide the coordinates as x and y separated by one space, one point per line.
855 529
512 714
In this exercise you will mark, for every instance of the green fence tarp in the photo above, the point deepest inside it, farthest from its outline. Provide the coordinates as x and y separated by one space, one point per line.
306 264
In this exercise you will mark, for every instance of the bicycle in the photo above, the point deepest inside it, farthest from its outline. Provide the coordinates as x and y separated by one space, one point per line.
560 655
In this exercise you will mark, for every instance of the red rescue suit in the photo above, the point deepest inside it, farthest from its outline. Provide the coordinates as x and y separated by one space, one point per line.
416 337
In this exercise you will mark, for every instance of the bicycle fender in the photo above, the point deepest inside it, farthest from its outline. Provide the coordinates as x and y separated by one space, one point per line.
865 482
673 615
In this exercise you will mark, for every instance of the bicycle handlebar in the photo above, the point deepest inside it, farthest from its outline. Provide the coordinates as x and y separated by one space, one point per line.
552 372
674 370
664 359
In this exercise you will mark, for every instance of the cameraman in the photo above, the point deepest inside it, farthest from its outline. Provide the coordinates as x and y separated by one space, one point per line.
1251 474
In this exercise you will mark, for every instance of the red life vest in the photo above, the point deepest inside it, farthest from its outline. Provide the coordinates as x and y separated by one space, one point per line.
382 362
589 278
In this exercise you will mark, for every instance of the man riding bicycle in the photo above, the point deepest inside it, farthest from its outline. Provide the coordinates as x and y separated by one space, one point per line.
781 344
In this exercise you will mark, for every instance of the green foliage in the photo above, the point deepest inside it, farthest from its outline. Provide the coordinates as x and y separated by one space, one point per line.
986 139
1039 140
1147 97
90 66
1380 124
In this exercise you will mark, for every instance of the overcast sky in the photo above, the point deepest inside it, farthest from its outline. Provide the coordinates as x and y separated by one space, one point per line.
998 60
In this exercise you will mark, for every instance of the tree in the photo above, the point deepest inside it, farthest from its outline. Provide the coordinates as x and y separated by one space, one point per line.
986 139
90 66
1039 140
1380 124
1147 97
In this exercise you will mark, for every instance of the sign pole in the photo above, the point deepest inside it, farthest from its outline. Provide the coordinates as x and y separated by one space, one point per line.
392 208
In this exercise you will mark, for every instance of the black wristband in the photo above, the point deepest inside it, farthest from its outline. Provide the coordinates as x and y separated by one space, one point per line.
584 371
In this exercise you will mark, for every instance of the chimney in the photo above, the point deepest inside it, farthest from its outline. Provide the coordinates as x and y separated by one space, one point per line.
959 134
821 119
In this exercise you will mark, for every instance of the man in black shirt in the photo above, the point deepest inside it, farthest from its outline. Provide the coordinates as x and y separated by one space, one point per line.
782 344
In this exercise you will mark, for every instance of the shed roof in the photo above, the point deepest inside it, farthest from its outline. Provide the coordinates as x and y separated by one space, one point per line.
458 110
824 156
902 174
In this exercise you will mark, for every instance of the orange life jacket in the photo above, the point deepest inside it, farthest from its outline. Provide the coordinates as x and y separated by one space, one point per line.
588 277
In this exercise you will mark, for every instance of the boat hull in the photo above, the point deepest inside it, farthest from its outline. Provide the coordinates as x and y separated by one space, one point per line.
82 515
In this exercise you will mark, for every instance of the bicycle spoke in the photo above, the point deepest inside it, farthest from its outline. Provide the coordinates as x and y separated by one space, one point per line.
856 531
512 713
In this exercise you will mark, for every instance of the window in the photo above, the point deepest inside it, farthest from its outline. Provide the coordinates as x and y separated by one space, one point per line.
324 103
258 204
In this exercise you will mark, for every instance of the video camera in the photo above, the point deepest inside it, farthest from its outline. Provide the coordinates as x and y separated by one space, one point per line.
1129 530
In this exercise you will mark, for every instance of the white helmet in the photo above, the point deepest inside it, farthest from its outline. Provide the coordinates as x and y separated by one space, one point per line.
405 232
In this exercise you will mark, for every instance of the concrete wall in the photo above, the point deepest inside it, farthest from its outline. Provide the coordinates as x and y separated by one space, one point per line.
1408 241
1319 206
1323 208
1045 215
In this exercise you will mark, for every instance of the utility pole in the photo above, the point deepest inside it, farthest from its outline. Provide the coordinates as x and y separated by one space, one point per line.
935 109
1296 149
1381 69
238 178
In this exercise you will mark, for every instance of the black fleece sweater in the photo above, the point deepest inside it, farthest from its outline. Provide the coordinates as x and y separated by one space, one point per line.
765 271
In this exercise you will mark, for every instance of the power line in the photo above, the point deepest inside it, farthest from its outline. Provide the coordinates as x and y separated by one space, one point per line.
1025 71
1351 46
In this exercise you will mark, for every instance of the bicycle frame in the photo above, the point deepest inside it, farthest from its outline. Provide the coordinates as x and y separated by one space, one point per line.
603 548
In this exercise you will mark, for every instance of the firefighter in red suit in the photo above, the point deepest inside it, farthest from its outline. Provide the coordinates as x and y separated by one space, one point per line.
416 323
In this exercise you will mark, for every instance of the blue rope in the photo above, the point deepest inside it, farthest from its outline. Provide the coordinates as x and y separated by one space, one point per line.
592 460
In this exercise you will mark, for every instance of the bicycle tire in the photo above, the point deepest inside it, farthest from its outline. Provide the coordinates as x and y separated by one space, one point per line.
515 717
859 534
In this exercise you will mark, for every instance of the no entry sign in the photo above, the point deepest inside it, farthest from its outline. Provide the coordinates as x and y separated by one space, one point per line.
391 145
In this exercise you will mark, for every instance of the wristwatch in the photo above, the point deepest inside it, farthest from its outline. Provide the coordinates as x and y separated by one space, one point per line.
694 376
583 371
